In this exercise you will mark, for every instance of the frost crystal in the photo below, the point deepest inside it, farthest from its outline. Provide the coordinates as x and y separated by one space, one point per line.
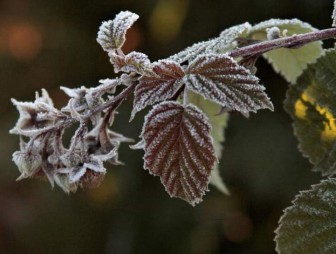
178 148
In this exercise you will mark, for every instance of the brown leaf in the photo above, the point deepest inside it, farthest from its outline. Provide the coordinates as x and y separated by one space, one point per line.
159 87
179 149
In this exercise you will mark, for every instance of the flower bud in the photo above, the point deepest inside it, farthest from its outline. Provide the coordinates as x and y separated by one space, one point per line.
63 181
273 33
92 179
28 162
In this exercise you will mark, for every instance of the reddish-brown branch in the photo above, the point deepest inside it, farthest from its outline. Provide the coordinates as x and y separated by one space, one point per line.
285 42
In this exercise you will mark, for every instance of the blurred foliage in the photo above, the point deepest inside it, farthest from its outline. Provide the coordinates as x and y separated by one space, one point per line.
311 104
52 43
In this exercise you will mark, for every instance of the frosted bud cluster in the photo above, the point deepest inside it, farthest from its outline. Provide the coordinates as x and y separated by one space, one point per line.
41 127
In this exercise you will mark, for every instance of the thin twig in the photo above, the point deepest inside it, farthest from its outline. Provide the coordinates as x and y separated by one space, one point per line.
114 103
285 42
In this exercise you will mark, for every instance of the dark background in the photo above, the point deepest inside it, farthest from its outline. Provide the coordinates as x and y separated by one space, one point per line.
52 43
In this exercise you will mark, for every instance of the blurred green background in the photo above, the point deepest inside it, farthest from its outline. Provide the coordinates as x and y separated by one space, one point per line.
52 43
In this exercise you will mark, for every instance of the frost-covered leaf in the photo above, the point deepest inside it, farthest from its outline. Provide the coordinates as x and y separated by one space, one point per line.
218 123
220 79
290 62
219 45
112 33
158 87
308 226
179 149
192 52
230 35
133 62
312 106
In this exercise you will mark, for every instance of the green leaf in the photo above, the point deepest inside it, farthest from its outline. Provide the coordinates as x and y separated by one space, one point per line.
309 225
289 62
218 123
312 105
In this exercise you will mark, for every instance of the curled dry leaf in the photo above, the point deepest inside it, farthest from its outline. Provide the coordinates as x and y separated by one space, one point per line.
178 148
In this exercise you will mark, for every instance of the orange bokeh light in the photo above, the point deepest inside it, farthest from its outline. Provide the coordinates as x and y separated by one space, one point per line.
25 42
